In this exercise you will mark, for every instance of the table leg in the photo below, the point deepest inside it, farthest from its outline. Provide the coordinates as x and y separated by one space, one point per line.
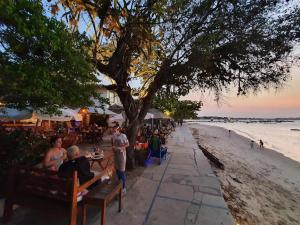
92 164
120 200
101 166
83 219
103 213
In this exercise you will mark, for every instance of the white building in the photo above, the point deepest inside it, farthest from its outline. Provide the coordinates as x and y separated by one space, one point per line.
110 95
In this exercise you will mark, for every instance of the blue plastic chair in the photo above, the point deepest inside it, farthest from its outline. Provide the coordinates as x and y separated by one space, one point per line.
161 154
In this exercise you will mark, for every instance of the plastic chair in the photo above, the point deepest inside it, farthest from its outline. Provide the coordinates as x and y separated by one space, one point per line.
161 154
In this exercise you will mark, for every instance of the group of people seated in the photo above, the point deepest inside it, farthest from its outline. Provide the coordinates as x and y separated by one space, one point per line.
153 141
66 161
156 147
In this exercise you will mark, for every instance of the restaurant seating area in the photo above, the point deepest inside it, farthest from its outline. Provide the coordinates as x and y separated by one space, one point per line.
92 134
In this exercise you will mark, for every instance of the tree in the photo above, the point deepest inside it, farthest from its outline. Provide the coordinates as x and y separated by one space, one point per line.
178 109
209 44
42 64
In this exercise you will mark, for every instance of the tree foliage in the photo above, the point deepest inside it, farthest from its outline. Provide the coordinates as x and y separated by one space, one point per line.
177 109
20 148
208 44
42 64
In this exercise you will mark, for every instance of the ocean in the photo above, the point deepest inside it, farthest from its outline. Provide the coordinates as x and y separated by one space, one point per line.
276 136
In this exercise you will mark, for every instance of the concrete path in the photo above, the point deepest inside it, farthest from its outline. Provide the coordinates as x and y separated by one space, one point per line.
181 191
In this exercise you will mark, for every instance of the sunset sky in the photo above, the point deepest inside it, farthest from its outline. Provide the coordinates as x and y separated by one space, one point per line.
281 103
272 103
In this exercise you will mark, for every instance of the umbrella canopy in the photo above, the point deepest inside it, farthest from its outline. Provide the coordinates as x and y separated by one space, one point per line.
99 110
67 114
117 117
122 116
8 114
149 116
116 108
157 114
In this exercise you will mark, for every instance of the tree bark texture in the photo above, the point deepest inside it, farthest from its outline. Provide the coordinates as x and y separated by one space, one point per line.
135 111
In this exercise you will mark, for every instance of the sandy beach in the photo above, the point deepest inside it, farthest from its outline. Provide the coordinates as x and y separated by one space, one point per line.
261 186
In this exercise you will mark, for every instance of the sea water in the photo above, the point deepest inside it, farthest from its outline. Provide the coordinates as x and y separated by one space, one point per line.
276 136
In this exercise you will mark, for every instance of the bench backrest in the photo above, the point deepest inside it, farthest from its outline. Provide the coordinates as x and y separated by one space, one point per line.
39 182
33 182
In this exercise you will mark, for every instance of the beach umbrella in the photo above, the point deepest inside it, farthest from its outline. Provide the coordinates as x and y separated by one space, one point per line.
9 114
99 110
157 114
116 108
67 114
117 117
123 116
149 116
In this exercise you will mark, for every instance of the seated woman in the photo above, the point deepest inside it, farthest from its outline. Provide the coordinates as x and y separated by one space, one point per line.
55 155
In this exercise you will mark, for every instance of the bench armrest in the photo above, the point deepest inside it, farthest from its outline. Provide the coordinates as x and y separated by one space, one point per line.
91 181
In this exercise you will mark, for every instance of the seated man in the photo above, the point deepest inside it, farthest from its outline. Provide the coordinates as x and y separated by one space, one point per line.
76 162
155 142
155 145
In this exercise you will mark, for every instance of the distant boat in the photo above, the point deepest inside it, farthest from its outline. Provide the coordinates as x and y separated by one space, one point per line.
295 129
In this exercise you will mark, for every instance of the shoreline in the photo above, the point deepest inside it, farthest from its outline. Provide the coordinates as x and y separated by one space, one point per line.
260 186
276 137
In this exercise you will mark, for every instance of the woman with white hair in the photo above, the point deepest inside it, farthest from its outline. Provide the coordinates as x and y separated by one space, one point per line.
78 163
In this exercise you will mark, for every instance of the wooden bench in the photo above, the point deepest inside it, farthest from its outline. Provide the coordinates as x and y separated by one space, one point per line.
41 189
101 196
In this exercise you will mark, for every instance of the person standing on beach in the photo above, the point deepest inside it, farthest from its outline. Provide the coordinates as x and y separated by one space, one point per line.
261 144
119 145
229 133
252 143
181 121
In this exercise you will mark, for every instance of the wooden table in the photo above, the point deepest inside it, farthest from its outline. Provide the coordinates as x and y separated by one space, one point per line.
102 162
100 196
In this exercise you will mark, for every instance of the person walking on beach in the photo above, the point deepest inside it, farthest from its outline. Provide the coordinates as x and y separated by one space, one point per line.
229 133
261 144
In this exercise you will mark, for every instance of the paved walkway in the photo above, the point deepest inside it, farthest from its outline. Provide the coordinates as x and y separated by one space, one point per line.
181 191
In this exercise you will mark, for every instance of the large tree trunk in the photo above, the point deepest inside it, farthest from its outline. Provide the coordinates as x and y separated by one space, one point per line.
117 69
131 109
131 133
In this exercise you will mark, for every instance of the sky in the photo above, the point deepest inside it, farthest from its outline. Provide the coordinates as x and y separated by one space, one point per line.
266 104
